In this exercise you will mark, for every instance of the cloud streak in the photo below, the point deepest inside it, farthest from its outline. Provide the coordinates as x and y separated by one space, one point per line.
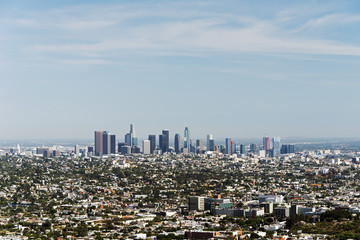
331 20
112 31
205 36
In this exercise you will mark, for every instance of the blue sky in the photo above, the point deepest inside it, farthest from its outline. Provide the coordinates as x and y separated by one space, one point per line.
230 68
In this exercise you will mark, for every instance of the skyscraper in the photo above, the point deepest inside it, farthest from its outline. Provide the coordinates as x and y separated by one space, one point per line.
253 148
128 139
132 130
177 144
134 139
266 143
228 146
77 150
164 140
152 139
187 139
90 149
146 146
211 145
112 144
160 141
208 139
291 149
199 146
192 147
199 143
276 146
285 149
233 147
98 143
242 149
106 142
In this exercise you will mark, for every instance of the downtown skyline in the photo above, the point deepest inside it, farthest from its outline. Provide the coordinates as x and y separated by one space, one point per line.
106 143
234 69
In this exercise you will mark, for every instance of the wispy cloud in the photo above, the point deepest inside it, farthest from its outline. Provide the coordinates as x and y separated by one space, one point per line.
331 20
112 30
206 35
86 61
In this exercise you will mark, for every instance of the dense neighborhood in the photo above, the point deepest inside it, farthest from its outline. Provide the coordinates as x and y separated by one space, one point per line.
307 195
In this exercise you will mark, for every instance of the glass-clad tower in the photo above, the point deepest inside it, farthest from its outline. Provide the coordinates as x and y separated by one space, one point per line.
276 146
187 138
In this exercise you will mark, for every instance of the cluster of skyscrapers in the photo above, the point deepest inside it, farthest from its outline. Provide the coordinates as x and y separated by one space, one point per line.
105 143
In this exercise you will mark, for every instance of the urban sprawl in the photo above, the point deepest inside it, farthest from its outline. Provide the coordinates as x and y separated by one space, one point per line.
183 190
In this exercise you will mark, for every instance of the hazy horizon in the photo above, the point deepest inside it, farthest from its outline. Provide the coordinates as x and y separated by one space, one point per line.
217 139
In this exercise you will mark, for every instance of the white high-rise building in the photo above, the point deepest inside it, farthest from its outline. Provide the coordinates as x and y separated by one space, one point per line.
77 150
262 153
146 147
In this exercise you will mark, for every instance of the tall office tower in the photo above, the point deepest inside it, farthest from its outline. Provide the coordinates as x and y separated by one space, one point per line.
83 151
242 149
233 147
266 143
47 153
160 141
211 145
199 146
271 153
112 144
164 140
177 144
291 149
90 149
187 139
146 147
106 142
276 146
192 147
222 149
208 139
56 153
128 139
253 148
77 150
228 146
285 149
199 143
152 139
98 143
134 139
